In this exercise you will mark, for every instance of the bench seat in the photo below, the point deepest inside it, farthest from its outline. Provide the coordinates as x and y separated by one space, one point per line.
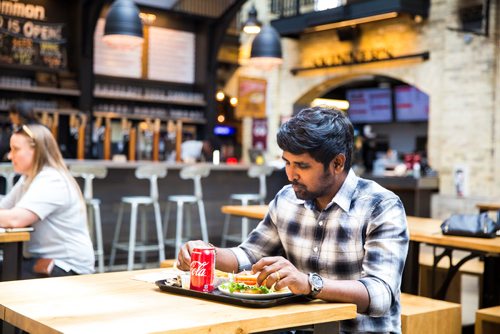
429 316
488 320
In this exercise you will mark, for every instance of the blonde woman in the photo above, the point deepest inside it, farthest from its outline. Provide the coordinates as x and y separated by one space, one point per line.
49 199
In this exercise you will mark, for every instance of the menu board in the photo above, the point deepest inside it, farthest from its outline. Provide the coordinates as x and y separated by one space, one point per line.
114 61
171 55
370 105
32 43
252 98
411 104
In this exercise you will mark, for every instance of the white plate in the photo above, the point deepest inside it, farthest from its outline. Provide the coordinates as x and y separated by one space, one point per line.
272 295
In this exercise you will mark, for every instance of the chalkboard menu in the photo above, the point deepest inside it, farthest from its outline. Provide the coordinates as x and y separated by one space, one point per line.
32 43
171 55
112 61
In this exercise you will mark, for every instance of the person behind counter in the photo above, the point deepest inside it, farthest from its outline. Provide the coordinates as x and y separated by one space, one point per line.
19 113
48 198
330 234
22 113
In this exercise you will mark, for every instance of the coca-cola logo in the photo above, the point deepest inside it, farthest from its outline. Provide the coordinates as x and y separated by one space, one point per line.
199 268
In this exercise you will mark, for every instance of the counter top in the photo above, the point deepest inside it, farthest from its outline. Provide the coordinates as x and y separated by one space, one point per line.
168 165
395 182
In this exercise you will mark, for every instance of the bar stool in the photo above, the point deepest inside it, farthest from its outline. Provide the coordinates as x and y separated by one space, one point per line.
196 173
255 171
89 172
7 172
152 173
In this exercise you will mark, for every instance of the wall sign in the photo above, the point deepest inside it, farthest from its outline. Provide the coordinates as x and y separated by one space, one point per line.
252 98
369 105
25 39
171 55
259 134
112 61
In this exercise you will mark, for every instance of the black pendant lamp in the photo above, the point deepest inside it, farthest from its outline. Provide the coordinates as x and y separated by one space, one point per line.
252 24
123 28
266 48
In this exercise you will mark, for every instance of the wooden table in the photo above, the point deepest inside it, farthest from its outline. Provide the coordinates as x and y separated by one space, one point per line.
12 245
428 231
116 303
249 211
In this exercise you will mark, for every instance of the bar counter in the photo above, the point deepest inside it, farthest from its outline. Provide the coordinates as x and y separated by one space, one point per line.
415 193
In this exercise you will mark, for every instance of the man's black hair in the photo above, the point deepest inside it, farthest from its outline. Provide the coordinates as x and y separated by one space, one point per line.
322 132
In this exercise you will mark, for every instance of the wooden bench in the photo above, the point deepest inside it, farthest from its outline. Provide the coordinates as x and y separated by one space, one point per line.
429 316
488 320
472 267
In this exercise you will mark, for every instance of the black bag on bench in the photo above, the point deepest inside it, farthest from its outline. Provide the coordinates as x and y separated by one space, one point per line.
470 225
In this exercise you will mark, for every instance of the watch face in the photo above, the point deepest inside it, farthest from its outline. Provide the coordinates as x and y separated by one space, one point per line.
317 281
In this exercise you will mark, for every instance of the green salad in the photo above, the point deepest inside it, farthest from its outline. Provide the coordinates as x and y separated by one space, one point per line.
245 288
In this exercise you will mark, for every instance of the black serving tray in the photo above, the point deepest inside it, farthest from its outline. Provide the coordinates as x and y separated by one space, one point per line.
218 296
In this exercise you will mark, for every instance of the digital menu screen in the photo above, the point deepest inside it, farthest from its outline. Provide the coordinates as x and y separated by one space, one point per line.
370 105
411 104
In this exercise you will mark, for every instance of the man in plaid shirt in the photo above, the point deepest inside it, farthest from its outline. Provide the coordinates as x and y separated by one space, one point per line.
329 234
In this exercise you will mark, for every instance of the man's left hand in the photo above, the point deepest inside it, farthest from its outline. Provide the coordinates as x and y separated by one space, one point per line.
277 269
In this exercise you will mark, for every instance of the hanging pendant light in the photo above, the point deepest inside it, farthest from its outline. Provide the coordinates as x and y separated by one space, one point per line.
252 24
123 28
266 48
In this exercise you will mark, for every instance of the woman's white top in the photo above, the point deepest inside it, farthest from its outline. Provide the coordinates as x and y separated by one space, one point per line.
61 233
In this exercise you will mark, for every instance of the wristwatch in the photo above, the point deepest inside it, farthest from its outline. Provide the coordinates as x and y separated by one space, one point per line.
316 283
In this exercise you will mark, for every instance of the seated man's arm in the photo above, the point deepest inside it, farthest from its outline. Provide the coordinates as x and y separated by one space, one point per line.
386 248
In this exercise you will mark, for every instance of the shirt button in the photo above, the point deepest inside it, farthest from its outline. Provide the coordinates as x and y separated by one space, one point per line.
315 249
320 223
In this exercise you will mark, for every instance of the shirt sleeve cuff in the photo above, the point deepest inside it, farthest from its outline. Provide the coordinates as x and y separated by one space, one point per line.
380 297
242 258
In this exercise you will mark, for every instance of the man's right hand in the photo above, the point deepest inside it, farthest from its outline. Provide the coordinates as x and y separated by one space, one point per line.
184 256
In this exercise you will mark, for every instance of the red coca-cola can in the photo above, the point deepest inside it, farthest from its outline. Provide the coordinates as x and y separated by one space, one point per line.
202 269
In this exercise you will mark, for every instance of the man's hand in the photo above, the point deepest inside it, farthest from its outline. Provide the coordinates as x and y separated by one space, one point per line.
184 256
279 270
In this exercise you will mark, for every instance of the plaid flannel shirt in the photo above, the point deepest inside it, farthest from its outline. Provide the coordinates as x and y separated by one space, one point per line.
360 235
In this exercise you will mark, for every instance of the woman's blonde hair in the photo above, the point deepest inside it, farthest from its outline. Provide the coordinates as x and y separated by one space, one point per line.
46 153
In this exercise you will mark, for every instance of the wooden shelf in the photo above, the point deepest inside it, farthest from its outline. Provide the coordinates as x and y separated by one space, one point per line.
61 111
42 90
100 78
113 115
33 68
151 100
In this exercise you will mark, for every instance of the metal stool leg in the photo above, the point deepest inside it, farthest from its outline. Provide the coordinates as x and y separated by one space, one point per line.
132 236
159 233
244 223
225 229
116 236
165 219
144 233
90 220
98 236
189 222
203 220
178 227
